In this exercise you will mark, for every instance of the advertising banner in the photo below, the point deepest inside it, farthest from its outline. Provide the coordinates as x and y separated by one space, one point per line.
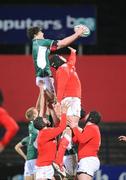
57 22
109 172
103 81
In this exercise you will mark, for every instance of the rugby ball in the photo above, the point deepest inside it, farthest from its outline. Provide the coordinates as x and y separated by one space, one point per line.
86 32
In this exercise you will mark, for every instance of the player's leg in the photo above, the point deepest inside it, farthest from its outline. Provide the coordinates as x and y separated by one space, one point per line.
27 171
63 145
47 85
49 88
70 161
87 167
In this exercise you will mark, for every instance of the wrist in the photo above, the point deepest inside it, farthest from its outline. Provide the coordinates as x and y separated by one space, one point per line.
74 127
78 34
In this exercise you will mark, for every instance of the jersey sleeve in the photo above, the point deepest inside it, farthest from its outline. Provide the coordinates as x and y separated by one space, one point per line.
72 59
51 44
62 77
74 138
51 133
54 46
46 42
83 136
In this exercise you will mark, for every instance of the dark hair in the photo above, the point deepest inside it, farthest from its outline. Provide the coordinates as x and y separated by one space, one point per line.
33 31
1 98
94 117
82 113
56 61
38 123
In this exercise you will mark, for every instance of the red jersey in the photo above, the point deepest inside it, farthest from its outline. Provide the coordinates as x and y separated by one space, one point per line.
47 145
89 140
9 124
68 83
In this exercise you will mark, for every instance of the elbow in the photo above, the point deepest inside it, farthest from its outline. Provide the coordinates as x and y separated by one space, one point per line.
61 44
16 148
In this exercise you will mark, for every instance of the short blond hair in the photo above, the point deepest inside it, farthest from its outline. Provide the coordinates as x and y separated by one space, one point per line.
29 114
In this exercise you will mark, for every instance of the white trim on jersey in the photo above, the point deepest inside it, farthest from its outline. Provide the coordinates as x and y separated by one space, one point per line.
41 57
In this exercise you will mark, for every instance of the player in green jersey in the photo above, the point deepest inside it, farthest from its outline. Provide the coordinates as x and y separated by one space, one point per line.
30 156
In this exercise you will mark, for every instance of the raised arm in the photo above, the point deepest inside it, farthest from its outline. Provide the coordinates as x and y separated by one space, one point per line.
54 132
62 77
81 136
68 40
40 102
84 136
72 57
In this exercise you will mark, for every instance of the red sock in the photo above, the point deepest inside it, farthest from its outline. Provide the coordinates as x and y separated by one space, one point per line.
61 151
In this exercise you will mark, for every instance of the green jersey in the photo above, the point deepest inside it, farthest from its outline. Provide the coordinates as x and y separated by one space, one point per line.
40 52
29 142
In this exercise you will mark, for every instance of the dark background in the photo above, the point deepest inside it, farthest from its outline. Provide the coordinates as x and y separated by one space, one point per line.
110 26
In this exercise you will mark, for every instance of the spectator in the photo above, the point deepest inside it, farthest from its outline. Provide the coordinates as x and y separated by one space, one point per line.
29 157
122 138
8 123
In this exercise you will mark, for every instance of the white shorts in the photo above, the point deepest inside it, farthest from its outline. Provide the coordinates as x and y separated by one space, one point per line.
29 167
70 162
48 83
88 165
46 172
75 106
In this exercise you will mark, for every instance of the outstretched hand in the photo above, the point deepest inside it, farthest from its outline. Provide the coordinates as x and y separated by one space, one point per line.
72 49
64 107
122 138
61 109
72 122
80 30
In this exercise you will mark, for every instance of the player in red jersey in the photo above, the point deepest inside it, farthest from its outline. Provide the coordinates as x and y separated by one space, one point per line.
67 80
8 123
89 140
47 145
68 90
